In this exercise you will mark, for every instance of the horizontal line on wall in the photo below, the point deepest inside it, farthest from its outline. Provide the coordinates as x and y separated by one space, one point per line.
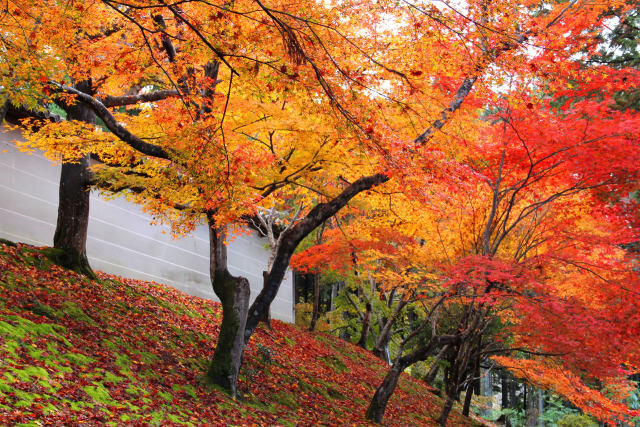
22 193
22 239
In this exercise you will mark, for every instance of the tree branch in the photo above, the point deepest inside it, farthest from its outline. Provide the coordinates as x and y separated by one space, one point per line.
111 123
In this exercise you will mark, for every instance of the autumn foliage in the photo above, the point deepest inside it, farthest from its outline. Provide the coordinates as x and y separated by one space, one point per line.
468 164
131 352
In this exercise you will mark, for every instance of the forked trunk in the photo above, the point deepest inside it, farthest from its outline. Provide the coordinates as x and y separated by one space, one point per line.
233 293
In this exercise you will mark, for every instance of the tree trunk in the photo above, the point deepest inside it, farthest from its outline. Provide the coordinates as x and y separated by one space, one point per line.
267 316
504 390
472 387
375 411
366 321
486 389
380 348
532 407
233 292
316 303
467 398
451 390
70 238
446 410
227 357
433 371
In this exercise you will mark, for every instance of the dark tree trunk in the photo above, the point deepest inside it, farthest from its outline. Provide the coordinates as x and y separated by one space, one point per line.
467 398
366 321
380 348
433 371
233 293
451 391
267 316
70 238
316 303
472 387
4 107
378 405
446 410
290 239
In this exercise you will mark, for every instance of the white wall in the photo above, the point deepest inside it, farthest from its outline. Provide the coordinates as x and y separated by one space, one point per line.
120 239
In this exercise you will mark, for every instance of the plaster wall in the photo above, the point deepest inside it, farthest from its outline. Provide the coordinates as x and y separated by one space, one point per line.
120 239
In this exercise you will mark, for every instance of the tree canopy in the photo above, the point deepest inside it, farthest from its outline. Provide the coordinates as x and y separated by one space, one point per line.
473 164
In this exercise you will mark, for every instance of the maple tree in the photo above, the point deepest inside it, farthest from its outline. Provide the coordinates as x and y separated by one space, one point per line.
309 117
546 163
94 60
224 192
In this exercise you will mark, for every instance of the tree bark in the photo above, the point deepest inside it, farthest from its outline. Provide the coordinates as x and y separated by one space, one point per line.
70 238
378 405
233 293
467 398
446 410
316 303
451 392
375 411
532 407
366 322
380 348
433 371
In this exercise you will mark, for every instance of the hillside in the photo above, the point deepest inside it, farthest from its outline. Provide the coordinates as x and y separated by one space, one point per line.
124 352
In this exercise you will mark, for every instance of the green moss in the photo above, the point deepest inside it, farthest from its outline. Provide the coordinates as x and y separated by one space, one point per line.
71 259
187 388
286 399
78 359
29 373
71 310
324 388
335 363
112 378
11 347
168 397
6 242
19 328
59 369
99 394
136 391
122 361
145 356
41 309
